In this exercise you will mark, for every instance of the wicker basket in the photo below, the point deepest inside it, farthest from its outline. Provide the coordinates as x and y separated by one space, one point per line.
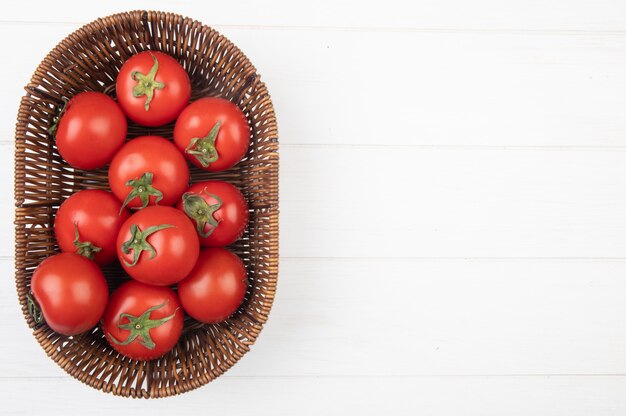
89 59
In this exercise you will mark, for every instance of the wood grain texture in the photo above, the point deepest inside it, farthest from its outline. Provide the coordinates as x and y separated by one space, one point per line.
399 202
480 15
436 396
444 89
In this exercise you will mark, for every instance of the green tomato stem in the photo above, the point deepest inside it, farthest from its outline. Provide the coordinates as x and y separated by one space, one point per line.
33 309
85 248
202 213
203 148
52 131
140 326
137 242
142 189
146 84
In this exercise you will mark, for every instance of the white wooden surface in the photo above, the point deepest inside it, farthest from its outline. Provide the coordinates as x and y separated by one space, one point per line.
453 209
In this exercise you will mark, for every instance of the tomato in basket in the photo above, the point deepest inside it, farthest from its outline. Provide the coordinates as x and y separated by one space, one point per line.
141 321
213 133
70 292
87 223
158 246
152 88
148 170
218 210
215 287
90 130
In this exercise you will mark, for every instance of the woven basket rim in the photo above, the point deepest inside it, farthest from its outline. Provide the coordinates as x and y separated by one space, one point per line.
24 117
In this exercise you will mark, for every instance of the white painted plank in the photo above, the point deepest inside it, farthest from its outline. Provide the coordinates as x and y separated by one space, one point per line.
471 396
386 318
424 202
481 15
7 204
407 202
443 89
411 88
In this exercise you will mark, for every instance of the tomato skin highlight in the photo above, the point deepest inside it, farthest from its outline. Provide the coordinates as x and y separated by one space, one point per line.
91 130
97 216
197 120
135 298
216 286
167 102
232 217
152 154
176 247
71 292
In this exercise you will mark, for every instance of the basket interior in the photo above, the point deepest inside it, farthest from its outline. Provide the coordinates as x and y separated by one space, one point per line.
89 60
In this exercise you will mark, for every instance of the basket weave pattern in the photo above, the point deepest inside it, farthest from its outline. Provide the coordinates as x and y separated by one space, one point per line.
89 60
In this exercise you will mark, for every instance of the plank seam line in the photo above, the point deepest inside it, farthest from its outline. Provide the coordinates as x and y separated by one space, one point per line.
478 147
392 29
378 376
429 258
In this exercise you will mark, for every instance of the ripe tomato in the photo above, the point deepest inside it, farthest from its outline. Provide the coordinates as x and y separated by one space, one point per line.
92 127
71 292
142 322
87 223
215 287
152 88
148 170
158 245
219 211
213 133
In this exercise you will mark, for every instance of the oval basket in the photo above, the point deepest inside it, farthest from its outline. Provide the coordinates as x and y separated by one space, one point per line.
89 60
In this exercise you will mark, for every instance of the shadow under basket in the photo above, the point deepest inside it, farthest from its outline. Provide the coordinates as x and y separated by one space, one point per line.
89 60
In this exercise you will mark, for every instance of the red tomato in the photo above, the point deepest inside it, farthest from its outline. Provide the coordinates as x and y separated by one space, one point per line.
152 88
213 133
215 287
87 223
219 211
158 246
142 322
148 170
91 129
71 292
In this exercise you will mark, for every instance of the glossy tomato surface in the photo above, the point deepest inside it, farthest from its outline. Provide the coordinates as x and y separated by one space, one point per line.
87 223
215 287
91 129
152 88
148 170
71 292
143 322
158 245
213 133
218 210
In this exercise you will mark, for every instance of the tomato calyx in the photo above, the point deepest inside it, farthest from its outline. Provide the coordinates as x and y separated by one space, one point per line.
201 212
33 309
140 326
52 130
203 148
146 84
142 188
137 242
84 248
